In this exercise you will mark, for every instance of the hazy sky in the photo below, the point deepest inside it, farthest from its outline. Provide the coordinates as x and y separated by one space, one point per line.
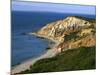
51 7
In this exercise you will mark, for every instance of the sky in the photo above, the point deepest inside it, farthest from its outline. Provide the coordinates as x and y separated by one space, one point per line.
52 7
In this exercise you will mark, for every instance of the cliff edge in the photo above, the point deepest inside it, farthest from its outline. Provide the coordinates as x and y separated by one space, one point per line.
71 32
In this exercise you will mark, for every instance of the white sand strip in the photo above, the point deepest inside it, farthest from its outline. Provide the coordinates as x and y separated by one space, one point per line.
26 65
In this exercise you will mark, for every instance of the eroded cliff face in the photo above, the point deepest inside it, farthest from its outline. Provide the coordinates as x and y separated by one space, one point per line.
78 32
58 29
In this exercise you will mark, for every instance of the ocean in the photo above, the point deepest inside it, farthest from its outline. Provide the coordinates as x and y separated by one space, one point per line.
23 46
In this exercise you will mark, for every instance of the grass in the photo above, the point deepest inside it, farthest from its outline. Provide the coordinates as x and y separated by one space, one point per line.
82 58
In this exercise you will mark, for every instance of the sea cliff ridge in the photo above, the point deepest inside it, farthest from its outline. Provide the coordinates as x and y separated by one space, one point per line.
80 31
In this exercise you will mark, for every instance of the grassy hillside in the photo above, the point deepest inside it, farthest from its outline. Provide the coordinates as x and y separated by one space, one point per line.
74 59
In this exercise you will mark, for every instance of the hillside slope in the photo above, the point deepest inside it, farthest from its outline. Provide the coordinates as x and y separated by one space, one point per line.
82 58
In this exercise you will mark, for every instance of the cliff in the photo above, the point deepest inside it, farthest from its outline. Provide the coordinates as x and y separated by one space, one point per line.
71 32
58 29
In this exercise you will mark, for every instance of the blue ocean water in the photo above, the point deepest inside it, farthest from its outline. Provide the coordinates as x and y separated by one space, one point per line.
26 46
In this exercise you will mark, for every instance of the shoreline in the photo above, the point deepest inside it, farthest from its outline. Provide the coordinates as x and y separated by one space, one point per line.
48 54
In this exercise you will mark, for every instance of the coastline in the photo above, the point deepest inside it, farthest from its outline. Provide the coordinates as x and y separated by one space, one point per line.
26 65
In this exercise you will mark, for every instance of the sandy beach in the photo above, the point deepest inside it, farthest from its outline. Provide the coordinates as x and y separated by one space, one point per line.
26 65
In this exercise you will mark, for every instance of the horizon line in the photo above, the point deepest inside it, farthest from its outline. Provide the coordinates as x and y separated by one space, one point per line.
52 7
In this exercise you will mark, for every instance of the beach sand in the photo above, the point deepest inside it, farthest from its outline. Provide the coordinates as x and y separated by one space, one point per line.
26 65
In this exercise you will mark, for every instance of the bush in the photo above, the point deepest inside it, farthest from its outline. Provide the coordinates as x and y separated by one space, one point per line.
71 36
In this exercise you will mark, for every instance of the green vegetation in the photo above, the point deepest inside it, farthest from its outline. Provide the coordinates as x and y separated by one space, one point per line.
74 59
87 19
71 36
